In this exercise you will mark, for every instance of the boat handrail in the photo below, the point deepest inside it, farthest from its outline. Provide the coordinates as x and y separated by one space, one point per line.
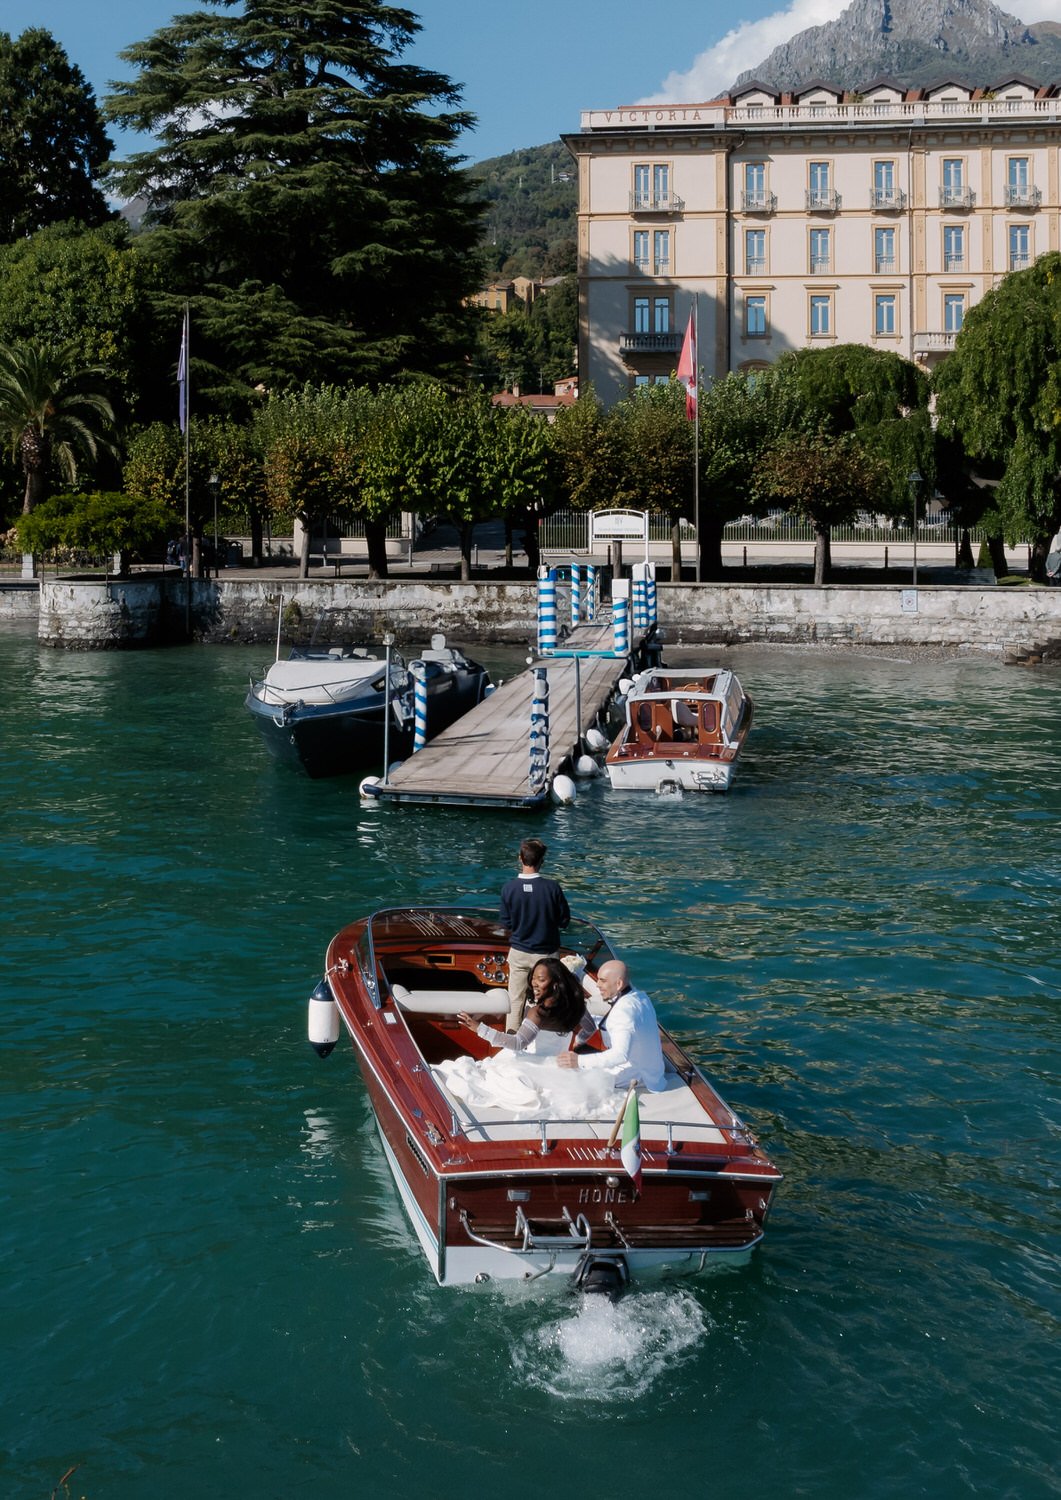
547 1125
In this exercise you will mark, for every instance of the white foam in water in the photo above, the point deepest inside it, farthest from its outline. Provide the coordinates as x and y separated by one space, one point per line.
612 1352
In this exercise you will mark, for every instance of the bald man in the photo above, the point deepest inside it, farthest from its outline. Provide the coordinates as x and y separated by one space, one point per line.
630 1032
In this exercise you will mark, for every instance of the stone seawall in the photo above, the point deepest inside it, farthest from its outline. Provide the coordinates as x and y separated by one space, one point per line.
1009 620
109 614
19 603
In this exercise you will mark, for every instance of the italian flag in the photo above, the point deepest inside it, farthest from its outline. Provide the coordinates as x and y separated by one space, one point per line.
630 1151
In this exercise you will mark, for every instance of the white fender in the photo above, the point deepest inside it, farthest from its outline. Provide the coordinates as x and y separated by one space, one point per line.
585 765
563 790
595 740
323 1020
363 788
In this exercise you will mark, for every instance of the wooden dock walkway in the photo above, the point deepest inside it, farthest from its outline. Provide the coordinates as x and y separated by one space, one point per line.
484 758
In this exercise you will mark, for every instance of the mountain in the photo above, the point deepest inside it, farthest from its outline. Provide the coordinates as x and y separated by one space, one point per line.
529 228
916 42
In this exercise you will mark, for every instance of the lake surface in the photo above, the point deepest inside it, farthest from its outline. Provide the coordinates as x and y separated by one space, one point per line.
209 1287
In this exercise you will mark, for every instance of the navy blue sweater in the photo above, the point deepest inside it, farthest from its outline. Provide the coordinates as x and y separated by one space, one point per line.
534 909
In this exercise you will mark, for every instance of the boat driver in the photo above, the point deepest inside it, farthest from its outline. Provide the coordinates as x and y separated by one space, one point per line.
630 1031
534 910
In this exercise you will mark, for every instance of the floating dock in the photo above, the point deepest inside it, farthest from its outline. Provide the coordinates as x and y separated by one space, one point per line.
483 760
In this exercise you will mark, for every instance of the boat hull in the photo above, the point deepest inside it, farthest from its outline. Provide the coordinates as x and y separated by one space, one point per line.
651 772
493 1195
325 740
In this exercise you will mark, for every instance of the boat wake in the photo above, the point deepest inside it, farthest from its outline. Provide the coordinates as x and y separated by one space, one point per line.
611 1353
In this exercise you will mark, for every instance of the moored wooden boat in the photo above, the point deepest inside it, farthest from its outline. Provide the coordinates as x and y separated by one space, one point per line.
509 1189
682 727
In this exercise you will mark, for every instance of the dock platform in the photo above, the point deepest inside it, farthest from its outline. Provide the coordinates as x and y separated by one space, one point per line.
483 760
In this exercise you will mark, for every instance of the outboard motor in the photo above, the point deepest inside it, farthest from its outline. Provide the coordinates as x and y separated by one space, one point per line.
604 1275
323 1020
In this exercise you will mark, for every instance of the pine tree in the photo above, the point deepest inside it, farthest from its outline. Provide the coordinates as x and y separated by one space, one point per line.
304 193
52 140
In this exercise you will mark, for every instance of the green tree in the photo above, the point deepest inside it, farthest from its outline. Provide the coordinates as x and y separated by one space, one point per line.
459 485
304 193
999 392
89 288
97 523
520 471
877 395
310 443
53 414
825 480
589 457
741 417
655 443
52 139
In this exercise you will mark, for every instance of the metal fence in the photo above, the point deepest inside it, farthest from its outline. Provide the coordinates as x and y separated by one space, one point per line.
568 531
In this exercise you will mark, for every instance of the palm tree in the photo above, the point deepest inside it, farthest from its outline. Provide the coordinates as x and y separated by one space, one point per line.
52 410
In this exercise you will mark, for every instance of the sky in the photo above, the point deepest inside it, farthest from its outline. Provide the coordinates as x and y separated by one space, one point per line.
527 70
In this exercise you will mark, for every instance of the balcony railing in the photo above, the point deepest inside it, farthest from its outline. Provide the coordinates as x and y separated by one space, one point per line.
934 343
823 200
656 203
1019 260
650 343
887 199
956 197
820 265
884 265
755 265
758 201
1022 195
954 262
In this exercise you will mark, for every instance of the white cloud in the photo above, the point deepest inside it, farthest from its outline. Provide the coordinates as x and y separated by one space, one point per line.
746 45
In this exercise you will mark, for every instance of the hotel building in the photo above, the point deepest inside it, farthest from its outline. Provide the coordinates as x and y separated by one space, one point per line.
805 219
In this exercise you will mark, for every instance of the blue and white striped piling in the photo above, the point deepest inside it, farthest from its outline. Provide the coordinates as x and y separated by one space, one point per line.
546 609
650 595
638 578
621 616
420 706
591 592
539 733
576 594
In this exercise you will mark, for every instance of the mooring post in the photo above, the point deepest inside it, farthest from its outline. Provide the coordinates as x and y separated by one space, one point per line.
591 592
621 616
420 700
637 574
546 609
576 594
539 732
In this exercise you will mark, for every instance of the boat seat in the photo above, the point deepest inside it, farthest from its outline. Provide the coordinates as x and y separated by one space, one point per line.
450 1002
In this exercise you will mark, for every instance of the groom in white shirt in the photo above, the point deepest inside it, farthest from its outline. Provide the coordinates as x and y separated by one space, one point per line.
630 1031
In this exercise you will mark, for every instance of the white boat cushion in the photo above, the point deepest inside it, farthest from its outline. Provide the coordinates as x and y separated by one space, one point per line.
449 1002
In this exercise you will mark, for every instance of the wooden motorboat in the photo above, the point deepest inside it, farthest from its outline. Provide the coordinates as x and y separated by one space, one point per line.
324 707
682 728
509 1189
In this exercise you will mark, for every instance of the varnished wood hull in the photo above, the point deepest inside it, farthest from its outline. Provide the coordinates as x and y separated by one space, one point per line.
533 1200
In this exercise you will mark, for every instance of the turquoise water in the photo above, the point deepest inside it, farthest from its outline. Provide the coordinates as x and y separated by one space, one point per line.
209 1286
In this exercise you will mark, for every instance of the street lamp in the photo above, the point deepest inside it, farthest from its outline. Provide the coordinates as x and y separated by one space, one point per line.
913 479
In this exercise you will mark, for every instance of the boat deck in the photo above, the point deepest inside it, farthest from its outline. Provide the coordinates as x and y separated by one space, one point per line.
484 758
674 1114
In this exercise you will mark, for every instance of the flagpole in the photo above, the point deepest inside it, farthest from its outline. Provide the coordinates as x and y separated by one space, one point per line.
696 431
